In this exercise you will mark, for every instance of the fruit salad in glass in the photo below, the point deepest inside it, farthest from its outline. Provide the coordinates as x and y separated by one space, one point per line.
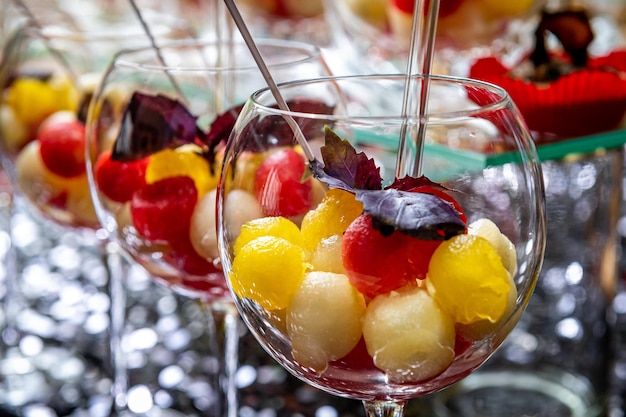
46 81
366 281
156 133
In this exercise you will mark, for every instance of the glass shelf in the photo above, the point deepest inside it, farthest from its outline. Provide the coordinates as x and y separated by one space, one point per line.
478 160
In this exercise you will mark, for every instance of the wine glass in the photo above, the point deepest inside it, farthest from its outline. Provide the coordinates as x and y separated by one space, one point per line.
156 125
368 277
47 79
49 67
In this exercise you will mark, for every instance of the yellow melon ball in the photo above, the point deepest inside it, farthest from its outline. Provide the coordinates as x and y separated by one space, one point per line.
245 170
268 226
332 216
484 328
268 270
488 229
468 280
182 162
498 9
373 12
33 100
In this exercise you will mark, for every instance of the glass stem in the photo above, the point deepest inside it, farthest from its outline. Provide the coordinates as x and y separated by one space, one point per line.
11 301
384 408
115 269
231 360
226 321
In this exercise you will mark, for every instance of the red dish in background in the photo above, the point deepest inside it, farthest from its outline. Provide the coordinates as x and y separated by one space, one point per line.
588 97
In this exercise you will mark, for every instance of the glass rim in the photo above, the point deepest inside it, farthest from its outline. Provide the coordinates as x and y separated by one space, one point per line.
308 53
502 101
107 31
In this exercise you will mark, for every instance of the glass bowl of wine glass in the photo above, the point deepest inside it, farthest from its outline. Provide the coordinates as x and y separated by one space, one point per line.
381 269
47 77
162 117
157 126
51 61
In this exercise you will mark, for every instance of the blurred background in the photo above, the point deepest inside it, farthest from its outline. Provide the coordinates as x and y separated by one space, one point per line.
54 284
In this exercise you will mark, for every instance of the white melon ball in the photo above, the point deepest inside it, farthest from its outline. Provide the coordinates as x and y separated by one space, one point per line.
72 205
14 133
34 179
79 202
89 82
245 170
240 207
327 255
408 335
487 229
324 319
202 231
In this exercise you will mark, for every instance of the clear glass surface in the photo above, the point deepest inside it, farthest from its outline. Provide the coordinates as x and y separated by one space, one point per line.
208 81
555 360
154 120
50 64
380 316
47 78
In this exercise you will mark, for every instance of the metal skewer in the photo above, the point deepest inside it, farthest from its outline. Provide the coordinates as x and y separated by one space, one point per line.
420 61
58 55
154 45
258 58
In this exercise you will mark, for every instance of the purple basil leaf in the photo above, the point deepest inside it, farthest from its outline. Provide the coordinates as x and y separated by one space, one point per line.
418 214
153 123
39 74
421 184
421 215
278 130
410 183
219 132
342 162
317 169
220 128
